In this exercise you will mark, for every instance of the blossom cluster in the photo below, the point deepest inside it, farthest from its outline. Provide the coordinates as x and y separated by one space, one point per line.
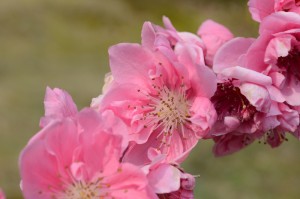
161 97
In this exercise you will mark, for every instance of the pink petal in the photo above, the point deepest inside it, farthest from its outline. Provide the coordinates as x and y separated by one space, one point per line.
181 146
278 47
254 59
199 75
231 123
164 179
278 79
55 141
260 9
275 94
190 38
291 92
38 169
212 28
137 153
289 120
247 75
129 182
270 123
148 35
257 95
203 117
214 36
284 4
102 141
279 22
130 62
230 54
123 92
58 104
168 24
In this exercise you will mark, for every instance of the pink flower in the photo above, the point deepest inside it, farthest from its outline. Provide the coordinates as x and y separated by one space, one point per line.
161 90
262 8
276 53
270 63
79 157
58 105
242 107
243 99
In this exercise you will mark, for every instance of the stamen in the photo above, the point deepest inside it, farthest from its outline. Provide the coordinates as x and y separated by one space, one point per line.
166 110
70 188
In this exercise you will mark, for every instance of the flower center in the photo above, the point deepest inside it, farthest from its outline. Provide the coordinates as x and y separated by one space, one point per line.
229 101
167 110
273 137
171 109
84 190
79 189
290 63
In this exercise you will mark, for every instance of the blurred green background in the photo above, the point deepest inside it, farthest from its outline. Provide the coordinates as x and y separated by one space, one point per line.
63 43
